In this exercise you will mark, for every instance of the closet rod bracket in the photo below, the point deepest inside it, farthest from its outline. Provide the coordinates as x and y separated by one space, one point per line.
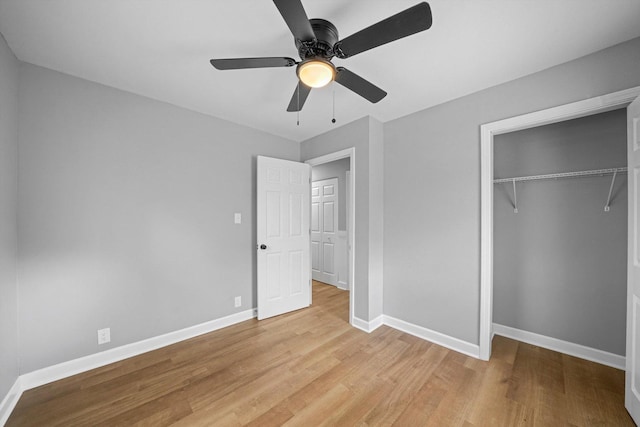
613 181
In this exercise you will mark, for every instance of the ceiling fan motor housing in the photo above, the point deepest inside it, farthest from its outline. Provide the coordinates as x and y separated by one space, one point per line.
326 36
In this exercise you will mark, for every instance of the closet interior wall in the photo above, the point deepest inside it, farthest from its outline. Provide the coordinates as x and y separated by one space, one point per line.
560 262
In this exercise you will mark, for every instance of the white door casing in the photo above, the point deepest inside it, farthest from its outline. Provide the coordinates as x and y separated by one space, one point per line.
283 245
324 225
349 227
632 380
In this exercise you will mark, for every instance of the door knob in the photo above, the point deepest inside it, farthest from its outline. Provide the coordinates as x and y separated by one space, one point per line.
263 246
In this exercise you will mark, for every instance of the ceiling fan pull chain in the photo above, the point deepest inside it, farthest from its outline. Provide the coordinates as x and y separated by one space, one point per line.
333 87
298 112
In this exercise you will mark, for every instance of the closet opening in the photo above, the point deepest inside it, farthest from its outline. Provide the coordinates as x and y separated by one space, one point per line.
560 236
490 131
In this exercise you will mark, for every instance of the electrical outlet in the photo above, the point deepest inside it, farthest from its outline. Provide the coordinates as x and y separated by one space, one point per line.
237 218
238 301
104 335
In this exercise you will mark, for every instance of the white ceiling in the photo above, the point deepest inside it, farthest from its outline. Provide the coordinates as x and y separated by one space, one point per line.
161 49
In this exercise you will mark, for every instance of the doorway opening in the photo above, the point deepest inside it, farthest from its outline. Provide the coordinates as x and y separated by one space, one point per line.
571 111
343 241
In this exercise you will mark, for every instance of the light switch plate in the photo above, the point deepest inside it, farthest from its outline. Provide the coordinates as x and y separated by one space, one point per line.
237 218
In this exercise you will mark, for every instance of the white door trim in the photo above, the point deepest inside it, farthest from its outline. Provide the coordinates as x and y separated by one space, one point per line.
561 113
342 154
346 283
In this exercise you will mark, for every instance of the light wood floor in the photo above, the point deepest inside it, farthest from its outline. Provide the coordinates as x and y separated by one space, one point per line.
311 368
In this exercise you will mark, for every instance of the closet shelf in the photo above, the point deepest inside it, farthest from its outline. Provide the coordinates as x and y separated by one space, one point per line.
577 174
561 175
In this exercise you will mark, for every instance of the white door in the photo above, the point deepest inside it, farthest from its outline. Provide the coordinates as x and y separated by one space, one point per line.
284 282
324 227
632 382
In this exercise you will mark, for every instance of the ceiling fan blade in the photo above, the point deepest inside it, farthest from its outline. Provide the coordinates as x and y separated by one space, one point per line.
296 18
413 20
239 63
362 87
299 96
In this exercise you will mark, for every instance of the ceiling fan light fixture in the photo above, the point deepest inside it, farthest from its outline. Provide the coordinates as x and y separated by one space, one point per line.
316 72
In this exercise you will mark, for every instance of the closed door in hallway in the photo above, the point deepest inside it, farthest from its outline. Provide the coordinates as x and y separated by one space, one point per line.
324 225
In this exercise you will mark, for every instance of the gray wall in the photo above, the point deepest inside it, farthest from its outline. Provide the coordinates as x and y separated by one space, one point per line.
126 216
432 187
376 218
335 169
8 221
560 263
358 134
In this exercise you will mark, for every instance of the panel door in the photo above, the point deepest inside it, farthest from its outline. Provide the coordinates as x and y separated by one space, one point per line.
632 380
324 228
283 201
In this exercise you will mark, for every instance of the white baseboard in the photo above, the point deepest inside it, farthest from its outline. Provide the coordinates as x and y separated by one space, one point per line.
86 363
577 350
447 341
367 326
441 339
376 323
10 400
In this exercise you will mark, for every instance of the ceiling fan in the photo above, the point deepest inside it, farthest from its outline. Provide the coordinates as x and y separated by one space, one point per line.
317 42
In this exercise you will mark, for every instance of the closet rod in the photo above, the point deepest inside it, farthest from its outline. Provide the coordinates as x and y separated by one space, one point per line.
561 175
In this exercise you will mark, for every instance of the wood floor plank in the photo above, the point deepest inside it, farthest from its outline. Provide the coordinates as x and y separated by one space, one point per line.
310 367
458 401
322 404
354 410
